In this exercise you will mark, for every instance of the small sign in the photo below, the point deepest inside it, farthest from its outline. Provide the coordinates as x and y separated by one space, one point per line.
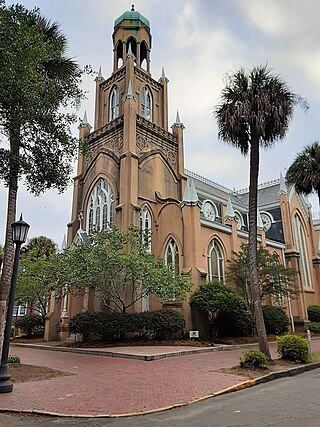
193 334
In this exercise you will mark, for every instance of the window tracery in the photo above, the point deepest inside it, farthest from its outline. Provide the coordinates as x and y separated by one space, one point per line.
100 211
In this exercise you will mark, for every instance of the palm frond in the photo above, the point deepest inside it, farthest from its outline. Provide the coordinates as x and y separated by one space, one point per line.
304 172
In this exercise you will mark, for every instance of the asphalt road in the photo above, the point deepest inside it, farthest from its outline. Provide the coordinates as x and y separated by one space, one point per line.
287 402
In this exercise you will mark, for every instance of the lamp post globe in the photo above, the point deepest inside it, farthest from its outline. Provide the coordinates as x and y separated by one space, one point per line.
19 236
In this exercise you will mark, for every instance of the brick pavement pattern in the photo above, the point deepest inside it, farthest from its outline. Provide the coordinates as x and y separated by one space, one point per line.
111 386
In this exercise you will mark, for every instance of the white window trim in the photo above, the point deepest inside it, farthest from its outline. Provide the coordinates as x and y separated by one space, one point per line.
212 248
302 248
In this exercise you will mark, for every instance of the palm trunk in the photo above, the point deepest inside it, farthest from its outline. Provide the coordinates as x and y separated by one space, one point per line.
253 258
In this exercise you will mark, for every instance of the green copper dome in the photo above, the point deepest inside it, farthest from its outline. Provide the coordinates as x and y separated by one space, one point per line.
132 15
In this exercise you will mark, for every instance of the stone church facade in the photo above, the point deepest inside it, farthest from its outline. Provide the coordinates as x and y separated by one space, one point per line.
134 173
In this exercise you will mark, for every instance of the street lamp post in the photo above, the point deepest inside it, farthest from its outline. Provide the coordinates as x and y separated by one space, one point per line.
19 236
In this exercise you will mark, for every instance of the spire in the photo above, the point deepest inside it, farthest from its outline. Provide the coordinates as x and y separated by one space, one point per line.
84 122
163 76
129 94
178 123
259 221
63 244
99 76
190 196
129 53
283 188
229 212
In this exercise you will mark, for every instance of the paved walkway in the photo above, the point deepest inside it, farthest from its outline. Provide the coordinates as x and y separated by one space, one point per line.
104 386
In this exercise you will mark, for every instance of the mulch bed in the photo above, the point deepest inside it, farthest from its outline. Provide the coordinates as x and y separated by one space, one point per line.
23 373
276 365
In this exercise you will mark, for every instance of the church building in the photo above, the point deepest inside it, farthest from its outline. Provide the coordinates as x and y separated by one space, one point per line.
134 173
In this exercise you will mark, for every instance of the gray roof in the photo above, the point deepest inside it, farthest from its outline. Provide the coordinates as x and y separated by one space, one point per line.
215 190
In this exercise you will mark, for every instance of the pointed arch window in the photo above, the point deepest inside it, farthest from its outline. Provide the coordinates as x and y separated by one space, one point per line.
215 261
145 227
302 248
146 103
171 255
114 103
100 212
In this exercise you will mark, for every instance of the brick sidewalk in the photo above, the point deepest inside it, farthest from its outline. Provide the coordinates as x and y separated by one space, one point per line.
110 386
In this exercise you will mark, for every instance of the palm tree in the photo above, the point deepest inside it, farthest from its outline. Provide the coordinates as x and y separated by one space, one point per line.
304 173
254 112
41 247
56 69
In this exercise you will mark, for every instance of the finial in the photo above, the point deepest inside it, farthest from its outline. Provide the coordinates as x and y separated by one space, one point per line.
129 94
190 196
283 188
229 211
84 122
99 76
129 53
132 8
177 123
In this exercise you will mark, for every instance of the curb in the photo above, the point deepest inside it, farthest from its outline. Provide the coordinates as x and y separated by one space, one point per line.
146 358
237 387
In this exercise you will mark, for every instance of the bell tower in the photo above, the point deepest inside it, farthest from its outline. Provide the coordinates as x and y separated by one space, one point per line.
131 36
131 157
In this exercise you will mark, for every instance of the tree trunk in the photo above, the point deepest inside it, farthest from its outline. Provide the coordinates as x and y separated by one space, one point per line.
8 253
253 257
7 259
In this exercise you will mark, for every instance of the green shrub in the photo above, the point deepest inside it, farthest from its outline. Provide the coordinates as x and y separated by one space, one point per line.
253 359
157 325
293 347
13 359
314 313
30 324
275 320
106 326
160 325
227 312
314 327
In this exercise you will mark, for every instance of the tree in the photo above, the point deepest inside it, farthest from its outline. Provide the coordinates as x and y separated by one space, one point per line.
37 274
41 247
226 310
38 82
255 110
120 270
274 279
304 173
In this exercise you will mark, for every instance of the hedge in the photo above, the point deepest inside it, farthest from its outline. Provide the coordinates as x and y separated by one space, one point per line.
314 313
157 325
275 319
30 324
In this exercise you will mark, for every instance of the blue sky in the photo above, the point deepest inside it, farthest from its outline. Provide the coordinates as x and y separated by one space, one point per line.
198 42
